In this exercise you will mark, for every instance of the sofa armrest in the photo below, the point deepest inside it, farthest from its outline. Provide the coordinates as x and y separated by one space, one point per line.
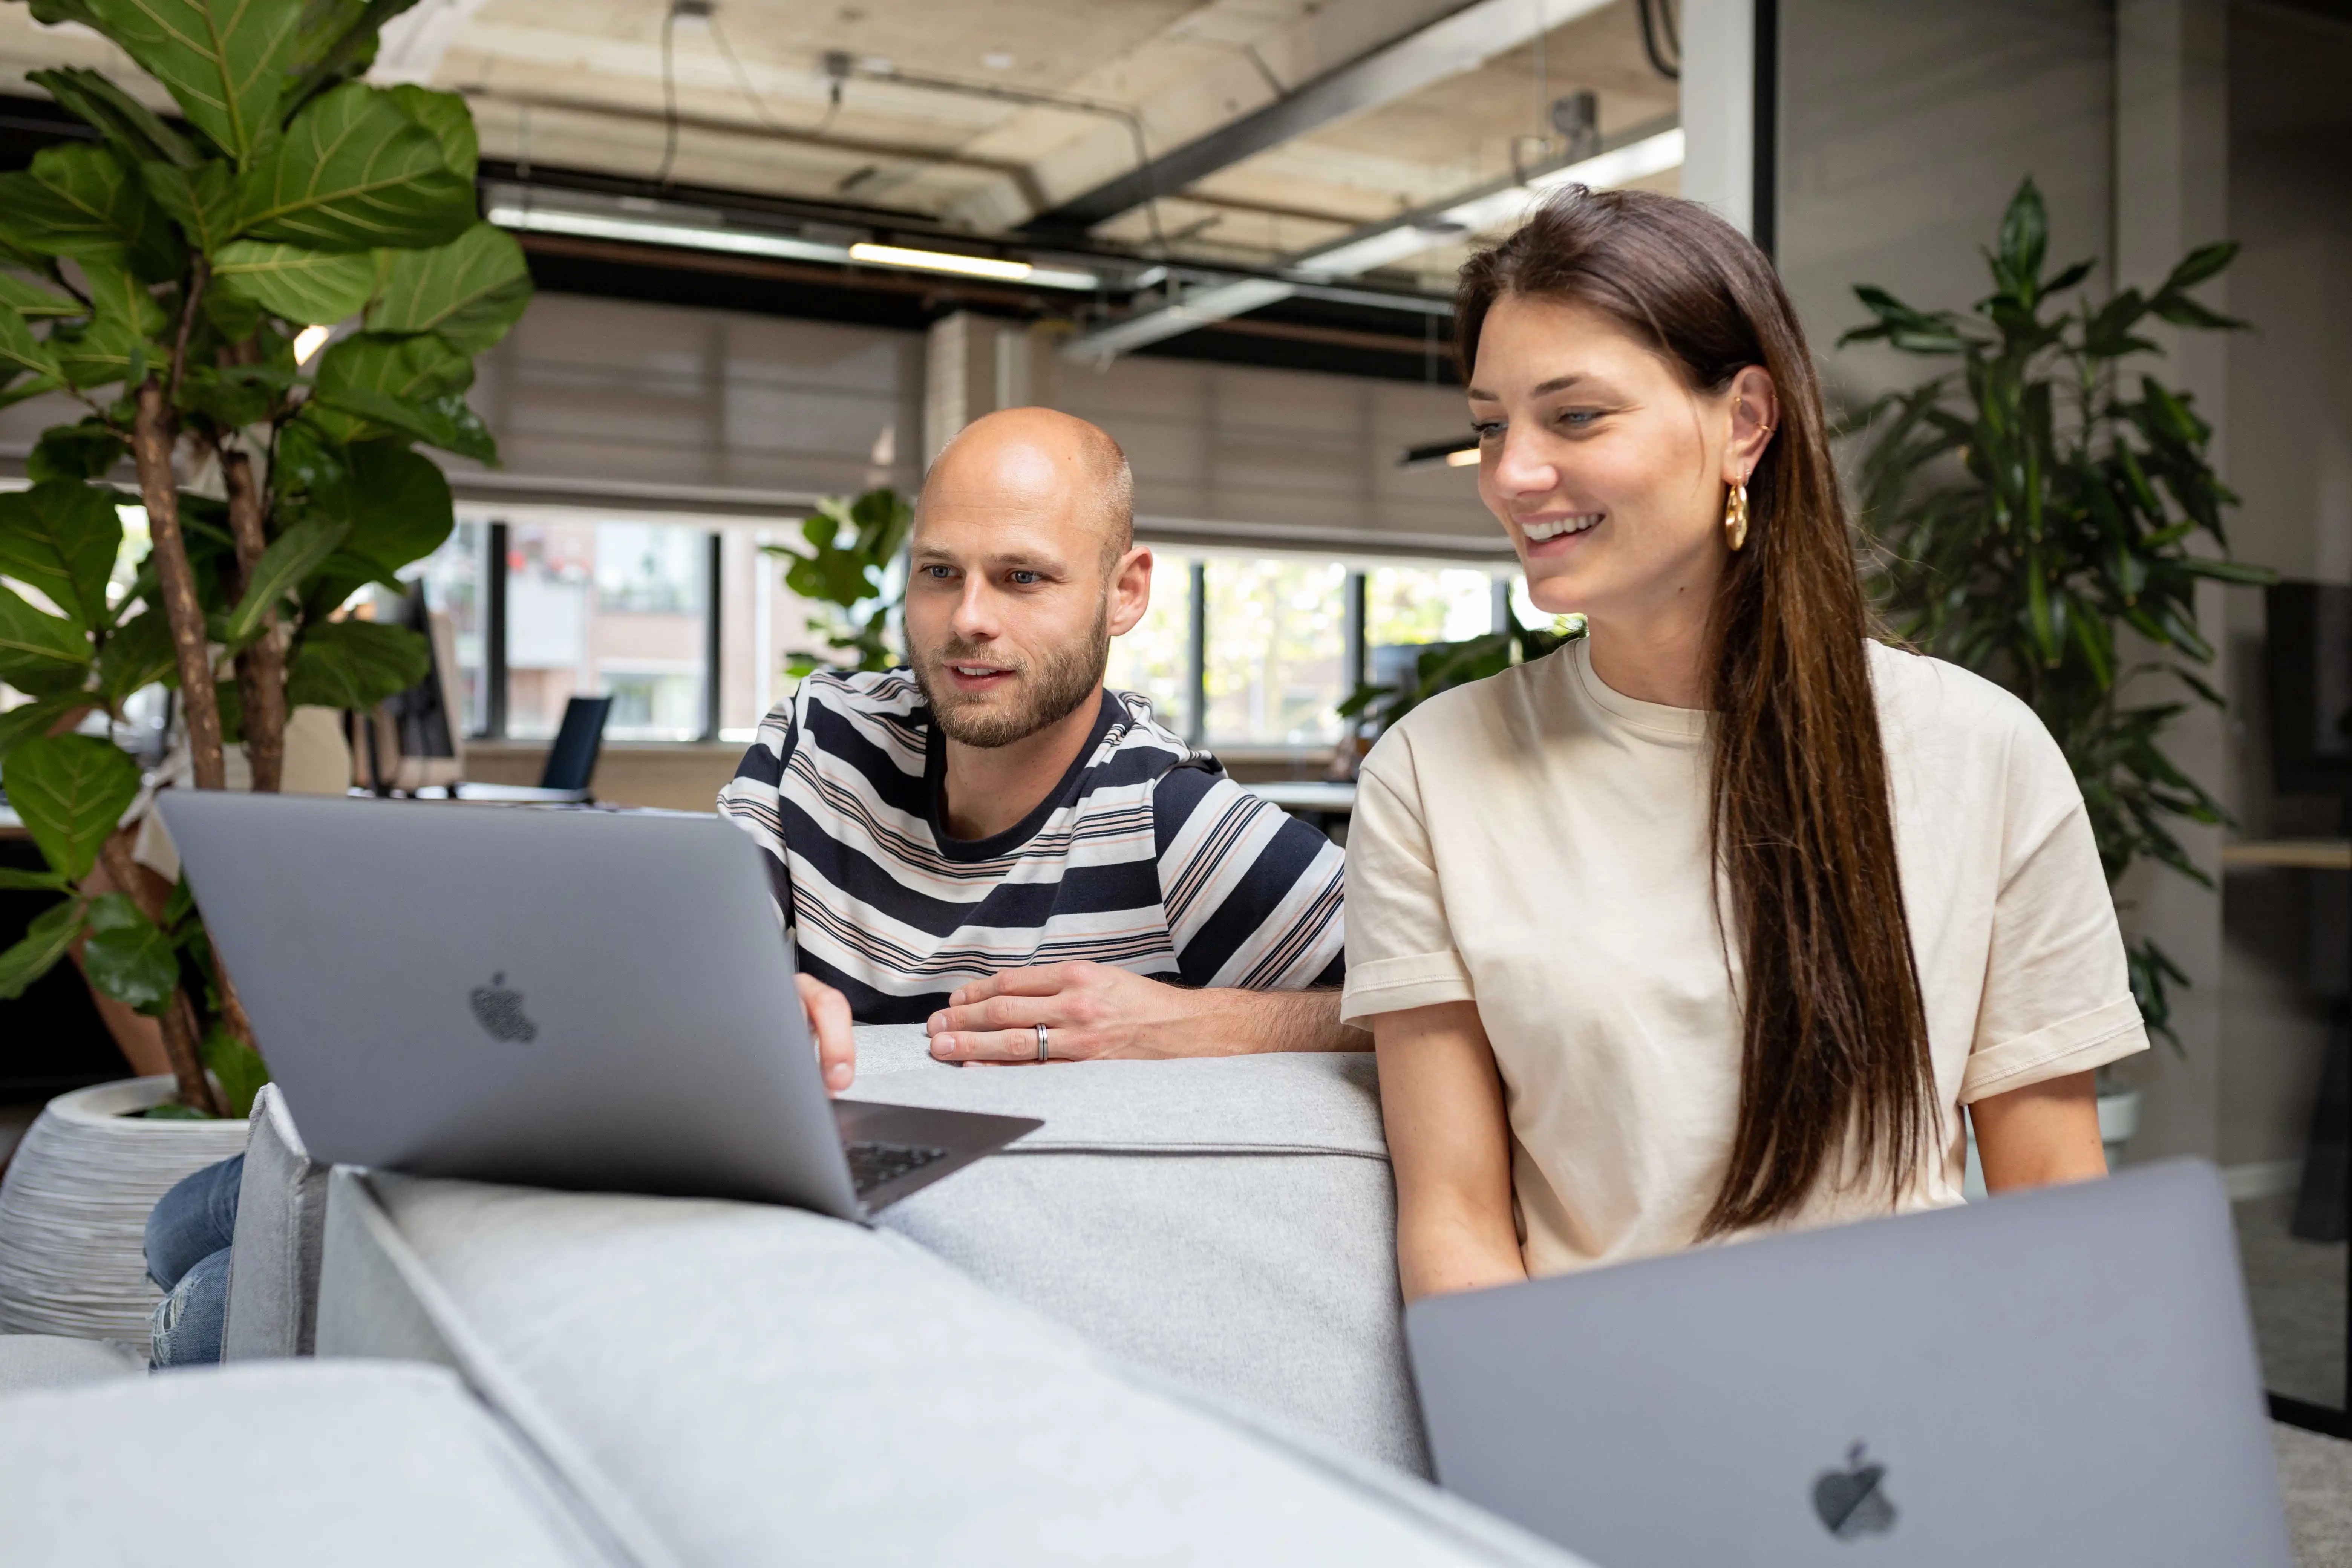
282 1214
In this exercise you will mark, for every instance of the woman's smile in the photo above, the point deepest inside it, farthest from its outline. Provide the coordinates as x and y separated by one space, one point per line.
1557 529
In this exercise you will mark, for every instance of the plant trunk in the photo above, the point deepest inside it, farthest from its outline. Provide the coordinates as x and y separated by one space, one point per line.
261 667
183 1035
150 445
182 1043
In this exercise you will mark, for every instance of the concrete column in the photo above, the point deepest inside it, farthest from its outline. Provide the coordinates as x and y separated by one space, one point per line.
1718 107
975 365
2171 193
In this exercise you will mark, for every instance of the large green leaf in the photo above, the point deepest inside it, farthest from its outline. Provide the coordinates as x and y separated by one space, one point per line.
354 173
238 1065
118 344
446 421
127 957
39 717
354 664
295 282
203 200
338 41
34 300
139 653
470 290
47 939
62 538
37 649
292 556
445 115
223 61
22 353
71 790
418 366
2025 239
128 126
400 505
82 200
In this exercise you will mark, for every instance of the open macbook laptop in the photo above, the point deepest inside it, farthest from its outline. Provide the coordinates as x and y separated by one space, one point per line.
2058 1378
580 999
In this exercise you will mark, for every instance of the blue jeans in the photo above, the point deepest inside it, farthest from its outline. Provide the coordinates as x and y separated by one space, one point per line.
188 1237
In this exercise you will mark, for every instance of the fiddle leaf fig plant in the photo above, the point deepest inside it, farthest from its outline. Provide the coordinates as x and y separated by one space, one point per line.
2039 505
847 548
174 278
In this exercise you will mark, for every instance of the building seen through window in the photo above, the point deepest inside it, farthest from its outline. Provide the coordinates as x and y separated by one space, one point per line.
598 605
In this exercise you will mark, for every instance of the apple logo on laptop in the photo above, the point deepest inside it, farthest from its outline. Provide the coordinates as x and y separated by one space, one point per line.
1850 1501
500 1011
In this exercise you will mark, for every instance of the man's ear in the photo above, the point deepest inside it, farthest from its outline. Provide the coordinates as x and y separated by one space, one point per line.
1130 589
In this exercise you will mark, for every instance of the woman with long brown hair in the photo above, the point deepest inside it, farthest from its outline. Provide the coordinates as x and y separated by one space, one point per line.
1713 921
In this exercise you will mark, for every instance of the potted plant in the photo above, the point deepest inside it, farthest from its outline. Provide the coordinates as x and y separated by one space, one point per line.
176 278
848 548
2036 512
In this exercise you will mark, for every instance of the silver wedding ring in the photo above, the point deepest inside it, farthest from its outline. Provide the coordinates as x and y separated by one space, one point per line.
1043 1051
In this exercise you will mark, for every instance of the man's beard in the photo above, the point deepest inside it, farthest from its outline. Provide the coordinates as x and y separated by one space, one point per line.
1051 690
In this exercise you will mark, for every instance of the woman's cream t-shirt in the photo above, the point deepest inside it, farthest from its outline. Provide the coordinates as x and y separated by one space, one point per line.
1537 844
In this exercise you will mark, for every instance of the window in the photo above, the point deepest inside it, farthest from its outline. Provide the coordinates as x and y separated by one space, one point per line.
1155 657
1236 651
607 607
1404 604
1275 647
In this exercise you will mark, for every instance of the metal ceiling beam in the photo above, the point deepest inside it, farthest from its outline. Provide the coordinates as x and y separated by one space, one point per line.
1461 41
1633 154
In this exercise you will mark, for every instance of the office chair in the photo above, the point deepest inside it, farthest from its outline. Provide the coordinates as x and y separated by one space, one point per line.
571 760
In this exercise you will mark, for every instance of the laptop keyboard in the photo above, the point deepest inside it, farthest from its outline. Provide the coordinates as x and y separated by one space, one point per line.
871 1163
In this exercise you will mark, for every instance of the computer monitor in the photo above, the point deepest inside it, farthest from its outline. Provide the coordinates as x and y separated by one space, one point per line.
2309 659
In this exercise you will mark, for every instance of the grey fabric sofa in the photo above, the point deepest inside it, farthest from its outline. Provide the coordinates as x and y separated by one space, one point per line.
740 1384
1229 1222
358 1464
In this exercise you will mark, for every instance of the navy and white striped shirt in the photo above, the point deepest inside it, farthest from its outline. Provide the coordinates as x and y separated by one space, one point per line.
1145 856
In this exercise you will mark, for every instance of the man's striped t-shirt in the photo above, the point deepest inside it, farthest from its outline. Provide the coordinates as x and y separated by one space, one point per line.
1145 856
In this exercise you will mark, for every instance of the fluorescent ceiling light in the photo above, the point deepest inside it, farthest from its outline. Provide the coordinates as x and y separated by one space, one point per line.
531 216
1000 267
1467 457
538 219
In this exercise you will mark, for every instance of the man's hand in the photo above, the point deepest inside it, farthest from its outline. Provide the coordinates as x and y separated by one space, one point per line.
829 1021
1097 1010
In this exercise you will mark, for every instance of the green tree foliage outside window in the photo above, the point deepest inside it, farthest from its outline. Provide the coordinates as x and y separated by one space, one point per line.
2038 514
159 275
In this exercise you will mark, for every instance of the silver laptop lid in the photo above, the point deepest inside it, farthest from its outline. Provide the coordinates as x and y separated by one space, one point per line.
2063 1377
558 998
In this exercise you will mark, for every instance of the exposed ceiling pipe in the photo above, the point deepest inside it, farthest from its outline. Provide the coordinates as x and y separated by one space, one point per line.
1462 40
1635 154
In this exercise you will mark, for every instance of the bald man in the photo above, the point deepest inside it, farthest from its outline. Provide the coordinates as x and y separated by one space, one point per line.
991 844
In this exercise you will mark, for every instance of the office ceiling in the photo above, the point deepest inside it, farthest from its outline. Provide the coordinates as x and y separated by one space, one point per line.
1267 129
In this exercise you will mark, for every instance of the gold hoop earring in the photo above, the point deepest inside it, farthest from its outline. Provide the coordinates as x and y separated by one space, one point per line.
1734 517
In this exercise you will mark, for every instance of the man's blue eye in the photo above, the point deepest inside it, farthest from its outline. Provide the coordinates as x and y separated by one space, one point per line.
1025 578
937 574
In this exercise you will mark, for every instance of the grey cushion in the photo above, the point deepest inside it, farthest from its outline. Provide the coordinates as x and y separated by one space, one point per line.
356 1464
763 1385
281 1210
1229 1222
29 1361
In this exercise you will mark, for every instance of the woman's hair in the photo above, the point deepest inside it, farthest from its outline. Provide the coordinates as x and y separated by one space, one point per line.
1834 1033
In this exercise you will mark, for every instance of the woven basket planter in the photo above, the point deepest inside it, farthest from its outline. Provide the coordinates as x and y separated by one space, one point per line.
74 1207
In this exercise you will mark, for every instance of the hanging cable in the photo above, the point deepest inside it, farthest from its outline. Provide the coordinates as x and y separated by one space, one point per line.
669 98
838 73
1652 24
